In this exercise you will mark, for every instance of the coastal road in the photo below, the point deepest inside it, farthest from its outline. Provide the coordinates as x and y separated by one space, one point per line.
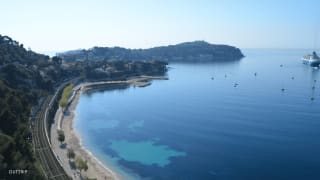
50 165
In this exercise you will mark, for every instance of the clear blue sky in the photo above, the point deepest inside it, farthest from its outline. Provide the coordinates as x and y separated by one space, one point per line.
52 25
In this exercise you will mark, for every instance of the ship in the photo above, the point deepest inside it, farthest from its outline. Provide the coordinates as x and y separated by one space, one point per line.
311 59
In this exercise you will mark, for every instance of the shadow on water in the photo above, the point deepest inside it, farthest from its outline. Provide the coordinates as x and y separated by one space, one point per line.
102 88
236 61
228 65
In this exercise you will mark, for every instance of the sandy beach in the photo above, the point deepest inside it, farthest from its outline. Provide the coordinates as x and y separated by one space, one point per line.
65 120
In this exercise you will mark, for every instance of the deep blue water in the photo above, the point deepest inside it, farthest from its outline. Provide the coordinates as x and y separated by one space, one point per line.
195 127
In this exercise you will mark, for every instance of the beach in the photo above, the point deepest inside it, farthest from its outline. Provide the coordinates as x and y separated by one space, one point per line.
64 120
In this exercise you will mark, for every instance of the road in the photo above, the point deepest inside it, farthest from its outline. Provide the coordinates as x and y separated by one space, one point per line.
49 163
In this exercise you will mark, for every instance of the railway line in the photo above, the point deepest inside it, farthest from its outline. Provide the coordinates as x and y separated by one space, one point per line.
50 165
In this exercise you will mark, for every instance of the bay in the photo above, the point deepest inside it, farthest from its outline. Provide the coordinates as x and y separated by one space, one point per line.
248 119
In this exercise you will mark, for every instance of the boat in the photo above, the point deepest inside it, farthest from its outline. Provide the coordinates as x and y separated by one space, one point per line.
311 59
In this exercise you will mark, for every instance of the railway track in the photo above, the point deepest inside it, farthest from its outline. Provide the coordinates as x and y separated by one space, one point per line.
50 165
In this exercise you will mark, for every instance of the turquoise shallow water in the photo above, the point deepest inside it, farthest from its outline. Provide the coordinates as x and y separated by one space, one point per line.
194 126
145 152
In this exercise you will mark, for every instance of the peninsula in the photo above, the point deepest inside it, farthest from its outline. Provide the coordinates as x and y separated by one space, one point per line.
196 51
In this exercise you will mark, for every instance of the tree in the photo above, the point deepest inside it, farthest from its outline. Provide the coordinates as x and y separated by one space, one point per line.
65 95
56 60
81 164
25 77
71 154
61 136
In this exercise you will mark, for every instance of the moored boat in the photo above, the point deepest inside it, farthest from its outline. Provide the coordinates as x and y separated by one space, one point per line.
311 59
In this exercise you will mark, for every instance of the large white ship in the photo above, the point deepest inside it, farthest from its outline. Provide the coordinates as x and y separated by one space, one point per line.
311 59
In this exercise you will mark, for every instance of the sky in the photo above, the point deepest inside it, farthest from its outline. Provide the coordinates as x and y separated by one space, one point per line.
58 25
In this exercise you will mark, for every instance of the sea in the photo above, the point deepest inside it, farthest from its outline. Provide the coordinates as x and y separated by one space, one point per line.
257 118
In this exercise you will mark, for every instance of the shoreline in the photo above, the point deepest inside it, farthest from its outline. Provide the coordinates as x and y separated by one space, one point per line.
65 121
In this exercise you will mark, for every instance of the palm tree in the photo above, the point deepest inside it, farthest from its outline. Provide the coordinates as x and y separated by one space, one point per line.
81 164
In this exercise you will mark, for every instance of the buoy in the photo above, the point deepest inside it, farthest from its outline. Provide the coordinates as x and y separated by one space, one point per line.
282 89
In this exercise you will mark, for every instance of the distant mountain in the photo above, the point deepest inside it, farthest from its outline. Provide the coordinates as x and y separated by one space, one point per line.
196 51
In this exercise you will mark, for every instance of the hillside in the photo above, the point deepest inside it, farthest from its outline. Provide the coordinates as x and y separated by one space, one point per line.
21 84
26 78
197 51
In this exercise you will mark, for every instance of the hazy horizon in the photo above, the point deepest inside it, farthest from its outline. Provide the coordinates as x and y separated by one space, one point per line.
46 26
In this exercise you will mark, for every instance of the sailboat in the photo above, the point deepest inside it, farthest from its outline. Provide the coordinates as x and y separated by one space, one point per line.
311 59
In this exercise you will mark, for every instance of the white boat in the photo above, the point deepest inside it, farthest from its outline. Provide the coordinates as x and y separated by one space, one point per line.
311 59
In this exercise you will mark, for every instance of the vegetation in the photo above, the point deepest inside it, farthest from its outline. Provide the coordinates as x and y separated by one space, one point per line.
196 51
61 136
26 78
123 69
81 164
21 84
65 95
